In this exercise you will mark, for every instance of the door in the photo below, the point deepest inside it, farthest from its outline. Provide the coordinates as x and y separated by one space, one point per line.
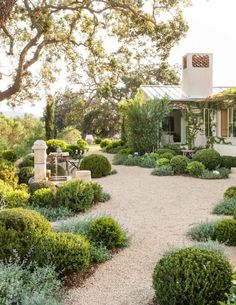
224 123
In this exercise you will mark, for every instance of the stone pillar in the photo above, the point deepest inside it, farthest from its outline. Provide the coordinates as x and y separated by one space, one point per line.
40 157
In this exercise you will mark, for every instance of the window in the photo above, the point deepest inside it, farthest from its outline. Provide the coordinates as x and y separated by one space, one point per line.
200 61
208 122
228 122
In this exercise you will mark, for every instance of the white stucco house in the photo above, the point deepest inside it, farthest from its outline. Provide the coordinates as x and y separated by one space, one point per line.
197 85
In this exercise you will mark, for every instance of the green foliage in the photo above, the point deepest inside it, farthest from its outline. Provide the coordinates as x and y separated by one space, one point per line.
162 161
17 198
209 157
228 161
230 192
106 231
175 148
76 195
147 161
143 123
70 135
167 155
105 142
226 231
125 151
8 173
53 213
132 161
68 252
74 150
225 207
97 164
20 285
220 173
103 120
114 146
83 145
104 197
113 172
192 276
9 155
163 170
179 164
49 118
162 151
27 161
53 144
231 296
120 159
25 173
97 191
20 231
20 133
97 140
40 185
195 168
100 253
203 231
43 197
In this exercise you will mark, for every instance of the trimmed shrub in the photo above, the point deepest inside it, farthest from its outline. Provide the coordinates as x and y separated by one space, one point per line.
162 151
9 155
230 192
20 231
21 285
203 231
120 159
104 197
41 185
226 231
132 161
147 162
97 191
77 195
175 147
106 231
179 164
192 276
68 252
8 173
43 197
225 207
209 157
53 144
97 140
125 151
167 155
97 164
25 173
105 143
114 146
220 173
162 161
74 150
53 214
17 198
164 170
83 145
228 161
100 254
195 168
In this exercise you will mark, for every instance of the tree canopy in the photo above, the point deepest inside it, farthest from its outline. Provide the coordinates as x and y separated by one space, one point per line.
99 38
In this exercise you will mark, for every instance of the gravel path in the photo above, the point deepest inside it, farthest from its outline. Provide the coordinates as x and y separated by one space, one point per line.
157 212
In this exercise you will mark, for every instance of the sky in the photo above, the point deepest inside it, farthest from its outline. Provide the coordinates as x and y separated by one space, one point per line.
212 25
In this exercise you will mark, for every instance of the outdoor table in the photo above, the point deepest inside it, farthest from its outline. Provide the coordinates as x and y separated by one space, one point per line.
188 152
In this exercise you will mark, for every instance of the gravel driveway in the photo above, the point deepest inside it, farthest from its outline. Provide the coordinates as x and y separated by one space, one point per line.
157 212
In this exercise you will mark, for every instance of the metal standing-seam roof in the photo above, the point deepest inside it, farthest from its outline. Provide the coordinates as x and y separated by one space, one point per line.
173 92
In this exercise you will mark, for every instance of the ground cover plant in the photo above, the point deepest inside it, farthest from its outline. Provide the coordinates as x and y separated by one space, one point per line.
27 285
225 207
179 277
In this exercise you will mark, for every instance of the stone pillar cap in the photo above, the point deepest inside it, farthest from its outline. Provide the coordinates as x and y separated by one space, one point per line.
39 144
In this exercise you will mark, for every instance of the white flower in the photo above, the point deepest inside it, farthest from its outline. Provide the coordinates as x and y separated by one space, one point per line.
216 172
